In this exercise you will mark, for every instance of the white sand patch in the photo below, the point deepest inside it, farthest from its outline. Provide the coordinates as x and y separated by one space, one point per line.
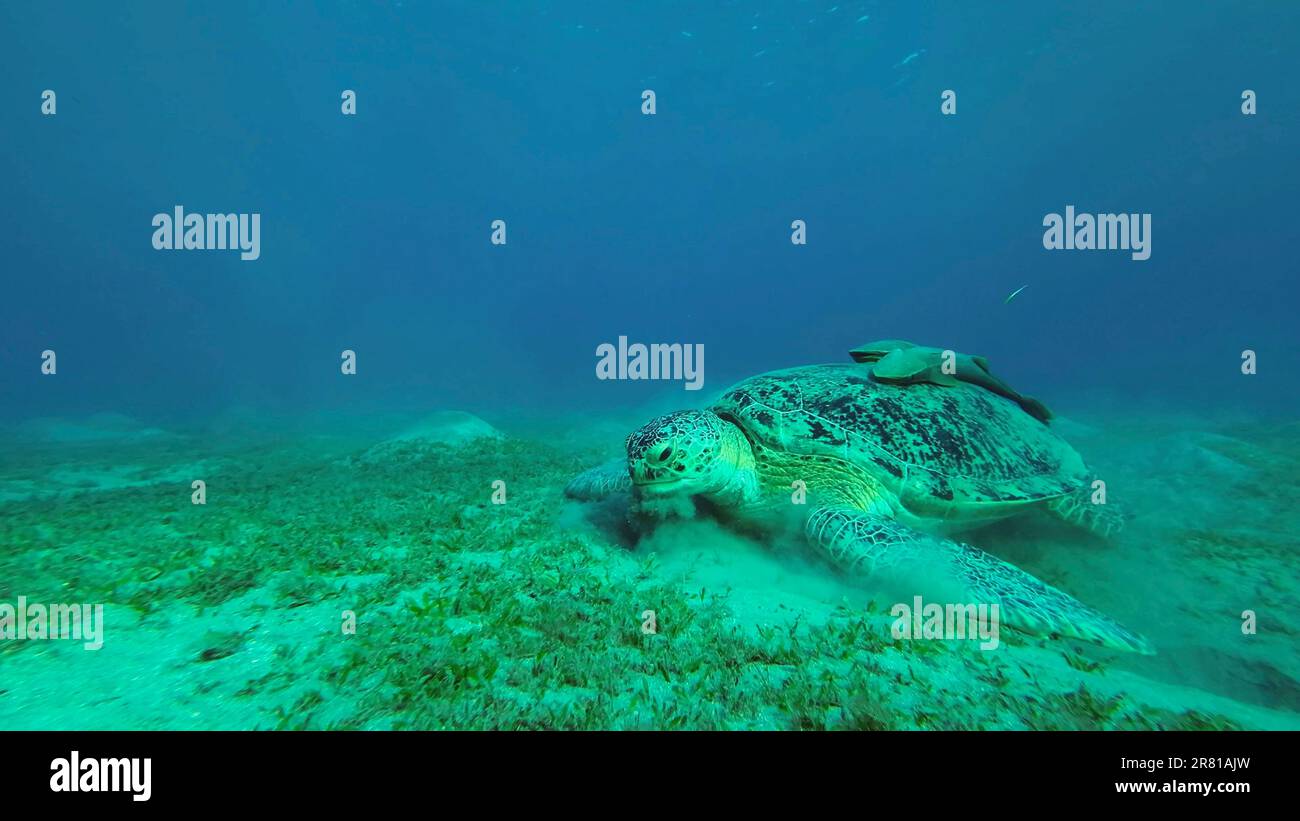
179 668
72 477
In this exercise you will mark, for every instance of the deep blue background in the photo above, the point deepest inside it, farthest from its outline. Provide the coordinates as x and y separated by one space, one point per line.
672 228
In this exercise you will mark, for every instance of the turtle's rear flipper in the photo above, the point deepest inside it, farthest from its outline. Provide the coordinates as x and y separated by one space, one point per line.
600 482
1105 520
881 548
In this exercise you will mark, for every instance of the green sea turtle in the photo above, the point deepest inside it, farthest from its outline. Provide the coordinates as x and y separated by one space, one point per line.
904 363
873 475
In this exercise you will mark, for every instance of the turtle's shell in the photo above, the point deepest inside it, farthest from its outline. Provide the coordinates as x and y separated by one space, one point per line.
938 449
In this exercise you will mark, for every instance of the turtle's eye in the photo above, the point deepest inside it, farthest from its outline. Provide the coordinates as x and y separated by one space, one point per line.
665 454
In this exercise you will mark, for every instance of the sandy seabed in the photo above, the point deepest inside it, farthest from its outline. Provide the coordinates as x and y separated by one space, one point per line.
239 613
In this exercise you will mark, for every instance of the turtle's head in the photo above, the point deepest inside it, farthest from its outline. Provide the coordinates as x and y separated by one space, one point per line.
689 453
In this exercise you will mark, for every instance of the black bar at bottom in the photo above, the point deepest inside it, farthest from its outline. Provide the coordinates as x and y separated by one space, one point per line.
296 771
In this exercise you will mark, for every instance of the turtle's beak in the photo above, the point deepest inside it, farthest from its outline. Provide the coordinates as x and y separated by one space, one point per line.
653 479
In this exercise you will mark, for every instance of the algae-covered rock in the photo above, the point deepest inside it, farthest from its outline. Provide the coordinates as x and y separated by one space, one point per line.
455 429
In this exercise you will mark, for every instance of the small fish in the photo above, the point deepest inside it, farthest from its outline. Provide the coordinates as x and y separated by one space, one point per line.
760 53
909 58
1014 293
864 18
687 34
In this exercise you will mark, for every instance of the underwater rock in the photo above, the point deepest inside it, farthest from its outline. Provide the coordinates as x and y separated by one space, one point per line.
448 428
454 429
101 427
1209 457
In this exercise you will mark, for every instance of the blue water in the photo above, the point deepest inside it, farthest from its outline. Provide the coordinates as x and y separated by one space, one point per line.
376 238
666 228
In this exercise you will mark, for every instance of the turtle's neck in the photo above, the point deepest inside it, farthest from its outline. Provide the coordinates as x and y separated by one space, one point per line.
737 476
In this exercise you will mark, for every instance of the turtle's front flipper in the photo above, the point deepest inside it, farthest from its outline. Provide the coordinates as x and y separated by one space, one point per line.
1077 508
869 545
600 482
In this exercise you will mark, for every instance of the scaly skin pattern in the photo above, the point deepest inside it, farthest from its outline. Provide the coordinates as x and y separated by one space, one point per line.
826 479
852 520
878 547
944 452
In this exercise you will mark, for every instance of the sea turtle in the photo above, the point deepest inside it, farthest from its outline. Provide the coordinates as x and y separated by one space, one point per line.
904 363
873 475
